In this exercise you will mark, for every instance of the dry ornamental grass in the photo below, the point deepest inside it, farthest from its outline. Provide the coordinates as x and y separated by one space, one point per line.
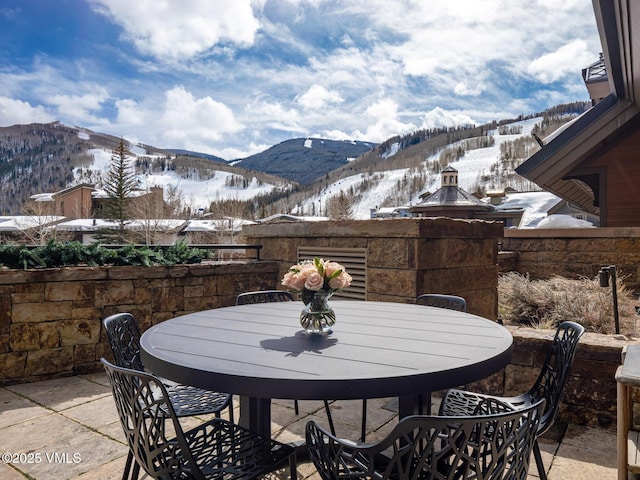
546 303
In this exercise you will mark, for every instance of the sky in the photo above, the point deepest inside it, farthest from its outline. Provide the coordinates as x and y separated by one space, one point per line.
231 78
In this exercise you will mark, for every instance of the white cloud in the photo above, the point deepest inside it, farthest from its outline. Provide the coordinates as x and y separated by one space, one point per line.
275 114
383 122
13 112
439 117
129 112
318 96
552 66
174 30
197 120
464 90
79 108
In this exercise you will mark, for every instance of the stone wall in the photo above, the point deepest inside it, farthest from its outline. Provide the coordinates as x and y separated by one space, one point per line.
405 257
574 252
50 319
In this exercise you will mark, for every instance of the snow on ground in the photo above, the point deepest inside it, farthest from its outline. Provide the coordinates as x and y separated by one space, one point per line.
473 164
195 193
101 159
200 193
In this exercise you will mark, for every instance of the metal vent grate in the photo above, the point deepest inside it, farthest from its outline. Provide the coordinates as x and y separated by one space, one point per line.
353 259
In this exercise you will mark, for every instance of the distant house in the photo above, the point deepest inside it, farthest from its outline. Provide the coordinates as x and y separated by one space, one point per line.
85 201
72 202
593 162
391 212
140 200
527 209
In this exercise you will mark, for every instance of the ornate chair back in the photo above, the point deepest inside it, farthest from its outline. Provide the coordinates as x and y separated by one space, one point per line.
452 302
264 296
124 338
488 446
553 377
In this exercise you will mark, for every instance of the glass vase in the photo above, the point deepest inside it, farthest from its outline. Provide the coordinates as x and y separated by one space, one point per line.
317 316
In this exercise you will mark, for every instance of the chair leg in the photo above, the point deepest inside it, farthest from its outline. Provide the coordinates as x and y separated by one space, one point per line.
363 434
295 407
536 453
293 465
136 471
329 417
127 466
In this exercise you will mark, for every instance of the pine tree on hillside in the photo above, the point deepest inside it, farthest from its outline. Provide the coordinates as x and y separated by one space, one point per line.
119 184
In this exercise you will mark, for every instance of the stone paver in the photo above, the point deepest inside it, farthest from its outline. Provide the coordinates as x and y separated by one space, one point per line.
73 425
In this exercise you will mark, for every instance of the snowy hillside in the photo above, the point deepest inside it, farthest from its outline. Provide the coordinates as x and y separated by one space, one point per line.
473 165
366 191
196 193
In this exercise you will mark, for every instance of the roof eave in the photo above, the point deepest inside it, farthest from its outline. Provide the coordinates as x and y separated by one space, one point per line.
550 166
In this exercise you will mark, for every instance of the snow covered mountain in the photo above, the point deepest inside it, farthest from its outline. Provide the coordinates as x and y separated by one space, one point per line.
476 168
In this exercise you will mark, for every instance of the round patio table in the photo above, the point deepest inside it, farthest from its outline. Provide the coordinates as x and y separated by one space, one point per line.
376 350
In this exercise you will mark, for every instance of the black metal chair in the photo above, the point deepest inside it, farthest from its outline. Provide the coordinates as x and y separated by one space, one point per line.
494 443
452 302
271 296
550 385
217 449
124 338
264 296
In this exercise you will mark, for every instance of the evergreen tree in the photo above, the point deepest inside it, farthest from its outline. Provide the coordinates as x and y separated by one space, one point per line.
119 184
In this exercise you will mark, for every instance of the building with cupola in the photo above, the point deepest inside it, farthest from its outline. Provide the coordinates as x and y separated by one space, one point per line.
450 200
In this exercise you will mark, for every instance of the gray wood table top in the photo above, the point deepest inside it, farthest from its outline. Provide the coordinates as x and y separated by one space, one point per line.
376 350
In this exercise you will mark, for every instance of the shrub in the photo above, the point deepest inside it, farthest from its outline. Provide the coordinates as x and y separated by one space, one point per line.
58 254
546 303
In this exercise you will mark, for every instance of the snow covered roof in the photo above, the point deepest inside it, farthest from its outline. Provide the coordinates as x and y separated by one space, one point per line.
534 205
284 217
42 197
25 222
95 224
216 225
453 196
104 194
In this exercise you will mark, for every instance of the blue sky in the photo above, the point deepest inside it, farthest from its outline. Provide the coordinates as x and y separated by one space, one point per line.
232 78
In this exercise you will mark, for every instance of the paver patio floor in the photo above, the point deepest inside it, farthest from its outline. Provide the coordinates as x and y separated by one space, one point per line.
69 429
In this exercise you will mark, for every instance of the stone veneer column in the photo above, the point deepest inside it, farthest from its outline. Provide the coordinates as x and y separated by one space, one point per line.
405 257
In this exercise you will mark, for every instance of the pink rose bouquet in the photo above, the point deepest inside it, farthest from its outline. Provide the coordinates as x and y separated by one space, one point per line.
316 275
